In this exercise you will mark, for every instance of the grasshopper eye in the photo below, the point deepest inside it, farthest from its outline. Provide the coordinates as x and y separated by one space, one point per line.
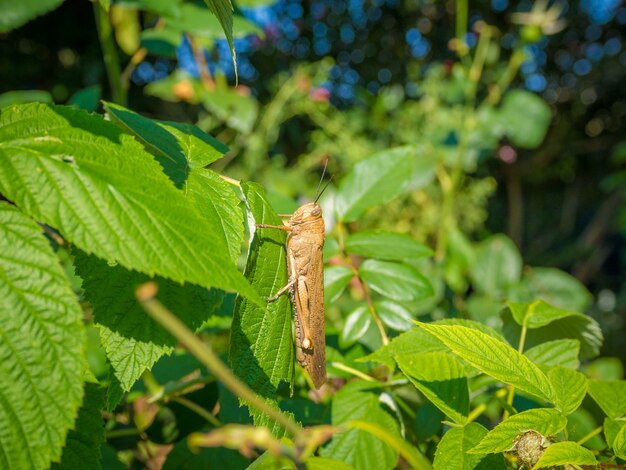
315 212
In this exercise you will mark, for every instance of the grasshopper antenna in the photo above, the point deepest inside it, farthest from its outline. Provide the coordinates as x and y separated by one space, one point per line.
323 189
318 194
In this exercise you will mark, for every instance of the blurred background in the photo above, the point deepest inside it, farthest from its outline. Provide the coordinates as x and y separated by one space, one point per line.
521 106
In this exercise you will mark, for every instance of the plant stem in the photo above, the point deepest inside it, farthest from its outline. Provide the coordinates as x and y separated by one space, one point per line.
476 412
507 77
115 433
109 54
461 19
146 296
198 410
350 370
520 349
592 434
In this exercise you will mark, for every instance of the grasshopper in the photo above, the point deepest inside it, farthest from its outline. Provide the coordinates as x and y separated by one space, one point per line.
305 241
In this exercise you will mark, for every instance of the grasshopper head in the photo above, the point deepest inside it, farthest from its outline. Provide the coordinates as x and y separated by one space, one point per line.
307 213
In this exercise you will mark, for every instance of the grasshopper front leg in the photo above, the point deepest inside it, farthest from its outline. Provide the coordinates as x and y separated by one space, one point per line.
281 291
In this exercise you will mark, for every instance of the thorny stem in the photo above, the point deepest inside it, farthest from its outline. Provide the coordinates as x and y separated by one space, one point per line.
109 54
146 296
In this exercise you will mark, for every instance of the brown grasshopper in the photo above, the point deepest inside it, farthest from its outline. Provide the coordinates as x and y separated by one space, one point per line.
305 241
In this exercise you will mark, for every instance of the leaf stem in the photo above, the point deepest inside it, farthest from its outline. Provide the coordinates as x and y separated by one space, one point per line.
109 53
146 296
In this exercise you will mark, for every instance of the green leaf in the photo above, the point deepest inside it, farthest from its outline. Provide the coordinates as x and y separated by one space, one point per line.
545 421
396 281
526 118
411 455
556 287
605 368
261 347
223 10
167 8
356 447
560 352
184 144
162 42
238 111
376 180
452 451
15 14
565 453
321 463
82 449
497 266
24 96
356 325
537 313
132 340
41 346
414 341
615 432
576 326
570 388
394 315
494 358
610 395
380 244
442 379
86 99
336 278
79 174
417 341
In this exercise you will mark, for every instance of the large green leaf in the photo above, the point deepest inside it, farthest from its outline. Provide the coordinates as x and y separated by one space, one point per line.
356 447
566 453
560 352
380 244
103 192
41 346
546 421
526 118
442 379
397 281
82 449
261 348
418 341
415 341
24 96
570 388
374 181
15 14
610 395
494 358
452 451
132 340
182 150
497 266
